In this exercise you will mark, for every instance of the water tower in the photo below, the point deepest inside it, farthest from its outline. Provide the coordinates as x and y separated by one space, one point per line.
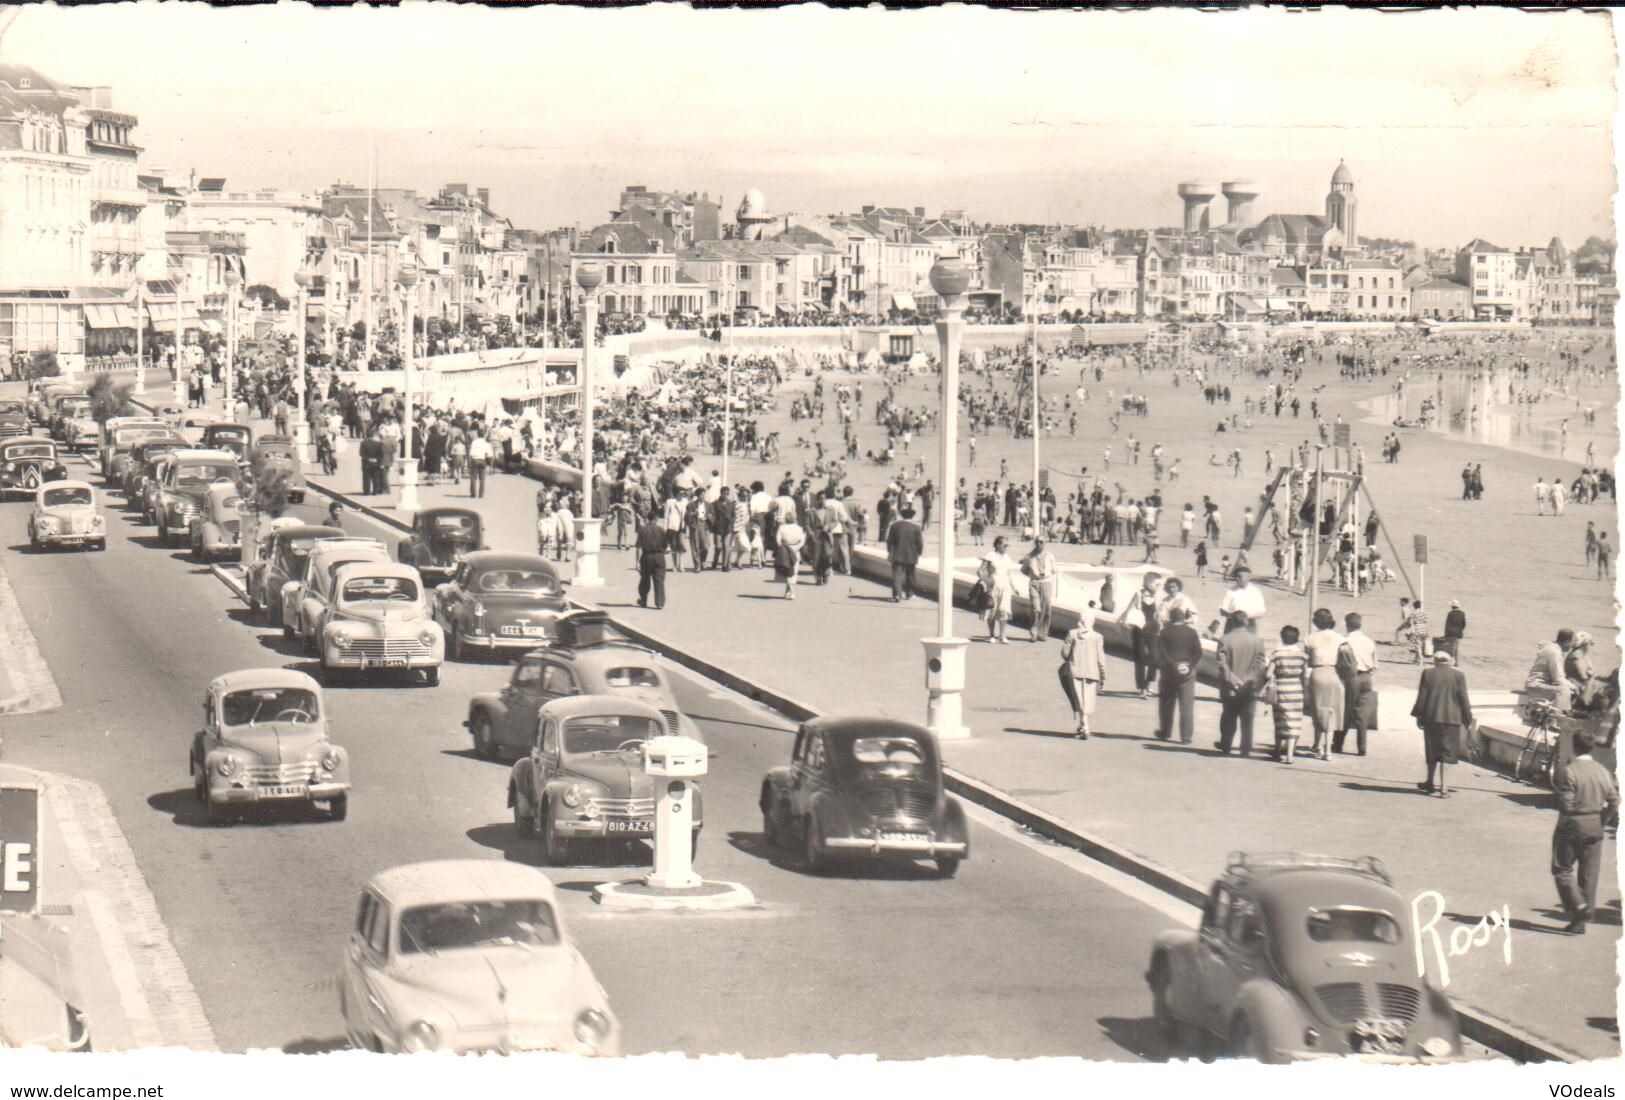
1239 194
1196 196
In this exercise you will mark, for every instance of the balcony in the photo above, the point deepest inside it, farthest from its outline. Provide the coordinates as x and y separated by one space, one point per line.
119 196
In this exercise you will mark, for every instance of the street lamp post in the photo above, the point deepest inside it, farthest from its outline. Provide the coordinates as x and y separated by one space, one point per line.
233 280
588 278
407 277
301 422
945 654
180 341
140 352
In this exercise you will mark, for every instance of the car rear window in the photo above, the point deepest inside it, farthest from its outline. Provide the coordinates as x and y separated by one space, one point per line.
532 582
887 750
210 473
1352 926
453 523
380 588
632 677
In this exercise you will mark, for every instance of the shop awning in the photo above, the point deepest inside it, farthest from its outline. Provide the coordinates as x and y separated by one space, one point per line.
786 310
209 324
105 315
1246 303
903 301
161 314
1280 305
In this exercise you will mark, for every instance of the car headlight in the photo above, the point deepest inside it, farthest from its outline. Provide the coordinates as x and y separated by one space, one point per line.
341 638
479 610
420 1036
97 521
330 761
226 766
426 637
1438 1047
47 523
574 795
591 1027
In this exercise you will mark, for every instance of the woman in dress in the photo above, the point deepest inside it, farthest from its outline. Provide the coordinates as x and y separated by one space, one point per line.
1325 686
1288 676
997 569
787 555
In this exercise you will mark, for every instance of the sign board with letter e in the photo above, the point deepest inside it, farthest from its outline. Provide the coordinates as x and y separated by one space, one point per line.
1340 435
1421 542
19 849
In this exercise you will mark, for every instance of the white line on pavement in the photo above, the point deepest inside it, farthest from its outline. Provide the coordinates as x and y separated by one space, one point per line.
26 664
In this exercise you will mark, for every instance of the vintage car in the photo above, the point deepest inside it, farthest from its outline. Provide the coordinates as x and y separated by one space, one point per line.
41 397
282 560
469 955
499 601
216 531
138 464
864 786
236 438
265 740
13 419
27 462
279 452
120 434
65 514
51 407
440 538
75 424
583 779
308 593
377 619
191 423
504 722
1301 956
183 486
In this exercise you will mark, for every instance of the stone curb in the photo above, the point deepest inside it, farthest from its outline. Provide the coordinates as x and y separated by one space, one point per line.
1480 1027
615 896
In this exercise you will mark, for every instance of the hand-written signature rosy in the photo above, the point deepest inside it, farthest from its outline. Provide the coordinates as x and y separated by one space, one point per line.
1462 938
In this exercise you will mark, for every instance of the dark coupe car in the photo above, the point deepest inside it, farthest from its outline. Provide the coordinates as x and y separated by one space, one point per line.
13 419
26 463
118 451
143 457
1298 957
499 601
440 539
237 438
279 452
864 786
284 561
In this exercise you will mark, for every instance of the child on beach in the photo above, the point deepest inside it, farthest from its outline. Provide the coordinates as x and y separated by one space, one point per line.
1201 557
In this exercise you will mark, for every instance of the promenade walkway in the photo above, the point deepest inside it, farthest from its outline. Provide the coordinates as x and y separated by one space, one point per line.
845 648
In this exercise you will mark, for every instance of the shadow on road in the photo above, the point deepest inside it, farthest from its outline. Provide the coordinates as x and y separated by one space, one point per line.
317 1046
1139 1037
185 810
878 869
1065 735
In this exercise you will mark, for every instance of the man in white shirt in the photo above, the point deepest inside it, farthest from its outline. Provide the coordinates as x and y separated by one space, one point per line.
479 456
1359 697
713 488
1242 596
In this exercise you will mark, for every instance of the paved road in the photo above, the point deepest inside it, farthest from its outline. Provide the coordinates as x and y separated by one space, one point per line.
1018 956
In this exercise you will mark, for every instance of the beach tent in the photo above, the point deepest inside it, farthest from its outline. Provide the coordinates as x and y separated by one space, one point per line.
871 359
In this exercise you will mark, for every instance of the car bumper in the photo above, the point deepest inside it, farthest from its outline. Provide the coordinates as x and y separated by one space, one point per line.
314 792
926 846
333 657
1376 1059
577 828
505 641
221 546
77 539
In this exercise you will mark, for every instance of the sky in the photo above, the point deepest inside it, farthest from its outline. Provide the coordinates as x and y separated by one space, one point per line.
1456 124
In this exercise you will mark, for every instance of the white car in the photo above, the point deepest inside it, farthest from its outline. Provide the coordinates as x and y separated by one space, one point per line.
469 955
65 514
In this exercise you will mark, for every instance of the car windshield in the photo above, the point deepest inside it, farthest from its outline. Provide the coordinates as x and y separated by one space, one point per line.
57 498
201 474
275 454
607 732
75 408
10 407
227 435
887 750
126 436
1352 926
529 582
450 926
632 677
29 450
362 589
295 552
249 708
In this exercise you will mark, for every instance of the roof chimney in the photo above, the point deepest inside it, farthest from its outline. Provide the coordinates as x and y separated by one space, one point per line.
485 196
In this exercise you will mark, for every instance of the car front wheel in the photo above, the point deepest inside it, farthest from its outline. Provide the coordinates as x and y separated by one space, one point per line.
770 828
338 807
523 824
555 849
1246 1041
813 850
947 866
1167 1024
431 677
485 746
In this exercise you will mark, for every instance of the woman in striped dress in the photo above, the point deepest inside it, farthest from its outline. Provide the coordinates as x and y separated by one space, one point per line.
1288 669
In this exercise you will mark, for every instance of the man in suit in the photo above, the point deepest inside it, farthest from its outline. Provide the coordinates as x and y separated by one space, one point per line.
1181 650
1442 709
1241 671
651 561
1586 796
904 545
372 461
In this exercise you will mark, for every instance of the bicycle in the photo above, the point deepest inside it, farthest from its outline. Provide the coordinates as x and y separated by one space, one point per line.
1537 762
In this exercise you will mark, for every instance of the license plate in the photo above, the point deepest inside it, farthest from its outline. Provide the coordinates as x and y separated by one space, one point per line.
284 792
642 825
384 662
903 838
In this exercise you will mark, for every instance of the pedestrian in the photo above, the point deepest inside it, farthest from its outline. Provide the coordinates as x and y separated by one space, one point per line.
1605 557
1201 557
672 516
1325 686
1416 632
1181 652
995 574
787 555
1357 665
904 545
1041 572
335 515
1187 523
1141 619
651 544
1083 670
372 460
1244 596
1242 672
479 464
1286 685
1442 711
1455 628
1587 796
1404 628
1591 541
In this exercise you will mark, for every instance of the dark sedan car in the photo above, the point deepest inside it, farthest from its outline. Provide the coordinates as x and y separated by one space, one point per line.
440 539
26 463
143 458
499 601
284 561
237 438
864 786
13 419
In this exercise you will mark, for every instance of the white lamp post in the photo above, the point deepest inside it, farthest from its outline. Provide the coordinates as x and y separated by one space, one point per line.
588 278
180 341
140 357
407 277
301 424
945 654
233 280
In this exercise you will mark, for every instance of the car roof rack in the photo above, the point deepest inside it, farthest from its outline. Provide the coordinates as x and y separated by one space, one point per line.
1244 863
588 629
